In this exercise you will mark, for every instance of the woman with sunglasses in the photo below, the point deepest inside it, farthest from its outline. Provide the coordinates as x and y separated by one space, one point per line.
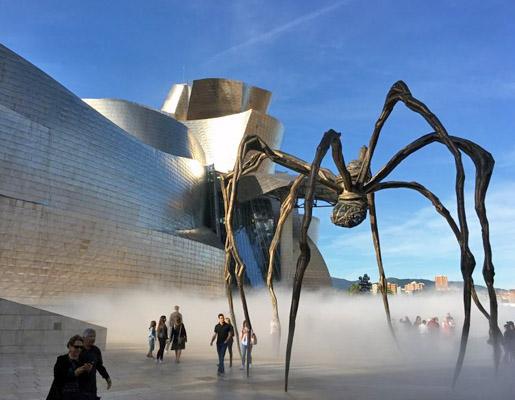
69 373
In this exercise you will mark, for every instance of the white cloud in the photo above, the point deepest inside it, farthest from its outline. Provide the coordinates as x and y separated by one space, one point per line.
273 33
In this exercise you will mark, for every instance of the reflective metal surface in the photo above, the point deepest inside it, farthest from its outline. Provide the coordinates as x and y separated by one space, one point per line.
113 200
152 127
177 102
220 137
212 98
86 206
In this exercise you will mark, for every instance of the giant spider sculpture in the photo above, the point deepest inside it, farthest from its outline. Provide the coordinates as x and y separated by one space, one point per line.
355 187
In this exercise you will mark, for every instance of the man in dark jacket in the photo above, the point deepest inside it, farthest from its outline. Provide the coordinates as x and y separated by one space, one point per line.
92 354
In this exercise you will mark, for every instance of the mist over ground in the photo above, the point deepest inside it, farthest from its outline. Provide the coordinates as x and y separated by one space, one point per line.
333 329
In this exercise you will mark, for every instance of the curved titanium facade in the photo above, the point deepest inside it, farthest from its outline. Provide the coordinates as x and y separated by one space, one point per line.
316 275
212 98
152 127
220 137
176 103
86 206
112 195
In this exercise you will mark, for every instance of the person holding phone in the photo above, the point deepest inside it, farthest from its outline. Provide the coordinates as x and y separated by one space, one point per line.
70 373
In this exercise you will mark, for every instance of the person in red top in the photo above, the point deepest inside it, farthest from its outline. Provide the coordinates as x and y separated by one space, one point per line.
433 327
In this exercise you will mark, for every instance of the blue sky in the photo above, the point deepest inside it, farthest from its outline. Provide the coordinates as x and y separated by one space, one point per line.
329 65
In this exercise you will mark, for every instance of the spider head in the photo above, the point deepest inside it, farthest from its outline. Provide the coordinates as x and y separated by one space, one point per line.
350 211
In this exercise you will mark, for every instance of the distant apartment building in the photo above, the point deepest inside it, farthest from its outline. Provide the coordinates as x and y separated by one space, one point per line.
441 283
512 296
503 296
413 286
393 288
375 288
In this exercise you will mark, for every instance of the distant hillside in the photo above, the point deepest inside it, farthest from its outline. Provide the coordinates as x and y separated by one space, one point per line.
344 284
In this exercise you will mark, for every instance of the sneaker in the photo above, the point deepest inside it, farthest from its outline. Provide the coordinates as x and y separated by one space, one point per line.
160 361
242 367
157 361
250 365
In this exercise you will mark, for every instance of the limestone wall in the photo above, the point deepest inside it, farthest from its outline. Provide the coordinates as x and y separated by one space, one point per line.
25 329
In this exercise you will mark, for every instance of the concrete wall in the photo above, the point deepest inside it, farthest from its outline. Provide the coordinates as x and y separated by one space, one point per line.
25 329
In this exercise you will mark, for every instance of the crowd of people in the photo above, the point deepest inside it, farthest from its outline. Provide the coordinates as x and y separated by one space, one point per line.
430 326
174 334
75 372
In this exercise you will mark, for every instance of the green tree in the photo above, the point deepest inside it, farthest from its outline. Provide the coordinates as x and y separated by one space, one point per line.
354 288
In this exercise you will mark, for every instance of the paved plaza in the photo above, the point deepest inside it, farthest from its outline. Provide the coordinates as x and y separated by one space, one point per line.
24 377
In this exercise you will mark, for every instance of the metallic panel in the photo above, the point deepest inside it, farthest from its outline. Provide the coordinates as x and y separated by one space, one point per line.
317 275
212 98
152 127
84 205
177 102
220 137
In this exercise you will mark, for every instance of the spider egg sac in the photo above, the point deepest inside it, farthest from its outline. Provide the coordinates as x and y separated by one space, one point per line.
349 213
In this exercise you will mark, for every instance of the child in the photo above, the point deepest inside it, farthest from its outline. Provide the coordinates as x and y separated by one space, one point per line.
151 338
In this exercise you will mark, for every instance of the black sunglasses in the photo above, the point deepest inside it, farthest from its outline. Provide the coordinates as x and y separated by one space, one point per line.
77 347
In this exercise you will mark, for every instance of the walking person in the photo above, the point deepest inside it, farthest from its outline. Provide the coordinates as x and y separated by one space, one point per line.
151 338
70 374
229 344
162 336
222 335
178 338
248 339
91 354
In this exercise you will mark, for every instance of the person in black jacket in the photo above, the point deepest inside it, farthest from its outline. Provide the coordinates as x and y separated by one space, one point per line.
178 337
70 374
91 354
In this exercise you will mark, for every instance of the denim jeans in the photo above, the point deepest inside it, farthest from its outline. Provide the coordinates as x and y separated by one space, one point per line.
244 350
221 348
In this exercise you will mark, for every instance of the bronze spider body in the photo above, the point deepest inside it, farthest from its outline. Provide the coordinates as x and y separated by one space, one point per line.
355 187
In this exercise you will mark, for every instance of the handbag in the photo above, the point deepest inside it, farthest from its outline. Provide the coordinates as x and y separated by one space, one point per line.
253 339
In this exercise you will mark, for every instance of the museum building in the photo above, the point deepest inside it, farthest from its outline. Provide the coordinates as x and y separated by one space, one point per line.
106 195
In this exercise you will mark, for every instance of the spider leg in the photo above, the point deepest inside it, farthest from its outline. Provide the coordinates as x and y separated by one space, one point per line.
229 201
255 143
377 247
339 160
484 163
242 167
305 252
286 208
467 260
227 267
